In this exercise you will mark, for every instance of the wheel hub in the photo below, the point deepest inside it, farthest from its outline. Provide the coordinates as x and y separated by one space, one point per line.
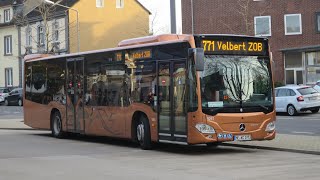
57 125
140 132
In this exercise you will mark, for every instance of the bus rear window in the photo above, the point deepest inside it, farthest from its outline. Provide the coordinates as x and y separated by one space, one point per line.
307 90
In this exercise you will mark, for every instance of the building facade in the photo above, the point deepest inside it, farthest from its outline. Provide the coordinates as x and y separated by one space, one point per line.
44 35
292 26
42 28
104 23
9 51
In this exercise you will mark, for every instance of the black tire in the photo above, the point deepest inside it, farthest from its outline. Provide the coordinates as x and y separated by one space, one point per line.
20 102
213 145
315 110
143 133
6 102
291 110
56 125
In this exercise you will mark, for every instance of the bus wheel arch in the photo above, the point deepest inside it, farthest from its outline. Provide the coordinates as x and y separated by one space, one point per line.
140 130
56 123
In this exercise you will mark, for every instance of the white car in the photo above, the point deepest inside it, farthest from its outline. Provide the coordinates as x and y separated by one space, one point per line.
294 99
317 86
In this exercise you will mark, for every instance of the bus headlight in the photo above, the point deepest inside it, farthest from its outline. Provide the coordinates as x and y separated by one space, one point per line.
204 128
271 126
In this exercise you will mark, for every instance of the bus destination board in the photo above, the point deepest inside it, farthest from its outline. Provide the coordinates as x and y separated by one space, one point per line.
141 54
247 47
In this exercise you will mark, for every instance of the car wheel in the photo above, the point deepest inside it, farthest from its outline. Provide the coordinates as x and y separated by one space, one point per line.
291 110
6 102
143 133
315 110
56 125
20 102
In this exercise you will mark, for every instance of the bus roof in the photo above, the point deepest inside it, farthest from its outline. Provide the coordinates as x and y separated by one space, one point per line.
154 39
36 56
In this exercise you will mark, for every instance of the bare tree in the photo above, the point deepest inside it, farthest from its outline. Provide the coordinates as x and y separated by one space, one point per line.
153 22
244 9
36 11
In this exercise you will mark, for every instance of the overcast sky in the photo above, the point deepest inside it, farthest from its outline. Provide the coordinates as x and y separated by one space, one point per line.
160 10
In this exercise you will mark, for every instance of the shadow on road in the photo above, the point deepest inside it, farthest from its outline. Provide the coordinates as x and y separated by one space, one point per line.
160 147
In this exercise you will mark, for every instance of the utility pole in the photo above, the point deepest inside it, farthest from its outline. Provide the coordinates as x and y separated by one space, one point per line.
173 17
192 18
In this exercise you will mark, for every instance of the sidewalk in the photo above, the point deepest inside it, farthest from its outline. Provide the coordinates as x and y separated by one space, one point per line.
283 142
13 124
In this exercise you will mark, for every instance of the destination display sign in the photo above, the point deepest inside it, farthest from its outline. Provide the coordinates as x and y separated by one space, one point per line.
247 47
141 54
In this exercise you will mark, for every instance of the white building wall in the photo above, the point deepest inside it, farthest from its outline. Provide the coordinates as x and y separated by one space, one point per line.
34 29
2 12
11 60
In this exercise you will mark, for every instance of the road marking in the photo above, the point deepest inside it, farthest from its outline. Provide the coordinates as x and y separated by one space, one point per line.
304 118
297 132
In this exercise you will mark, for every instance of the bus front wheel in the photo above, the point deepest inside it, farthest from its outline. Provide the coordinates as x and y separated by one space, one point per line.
143 133
56 125
213 144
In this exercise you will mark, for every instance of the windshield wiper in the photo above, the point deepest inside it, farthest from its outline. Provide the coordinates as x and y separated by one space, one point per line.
264 107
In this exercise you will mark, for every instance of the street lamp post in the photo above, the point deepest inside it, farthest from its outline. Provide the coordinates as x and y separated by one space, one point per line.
78 33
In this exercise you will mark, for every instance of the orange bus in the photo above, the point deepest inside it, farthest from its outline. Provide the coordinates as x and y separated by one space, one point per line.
184 89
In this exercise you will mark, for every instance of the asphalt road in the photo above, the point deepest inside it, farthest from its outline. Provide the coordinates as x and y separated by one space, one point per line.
33 155
304 124
11 112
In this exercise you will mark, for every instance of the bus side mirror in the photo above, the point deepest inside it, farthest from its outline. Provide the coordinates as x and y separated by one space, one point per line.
198 54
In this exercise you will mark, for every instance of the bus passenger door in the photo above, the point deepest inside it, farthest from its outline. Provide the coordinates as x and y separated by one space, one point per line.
171 104
75 87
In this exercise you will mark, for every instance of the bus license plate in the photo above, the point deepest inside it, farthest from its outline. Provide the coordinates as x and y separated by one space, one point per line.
242 137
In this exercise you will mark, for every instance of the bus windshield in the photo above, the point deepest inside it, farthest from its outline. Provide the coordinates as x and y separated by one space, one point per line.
236 84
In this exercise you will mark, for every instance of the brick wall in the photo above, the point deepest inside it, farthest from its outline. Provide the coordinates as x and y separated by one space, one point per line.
224 17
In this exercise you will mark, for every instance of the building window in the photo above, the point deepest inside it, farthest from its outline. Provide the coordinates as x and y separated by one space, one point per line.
7 17
293 24
100 3
55 30
41 34
28 36
7 45
318 22
119 3
262 25
312 67
9 76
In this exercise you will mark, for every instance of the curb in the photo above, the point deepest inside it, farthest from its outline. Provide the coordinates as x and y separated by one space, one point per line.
17 129
273 148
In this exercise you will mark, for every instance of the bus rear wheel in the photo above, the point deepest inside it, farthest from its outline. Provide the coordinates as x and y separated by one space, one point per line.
56 125
143 133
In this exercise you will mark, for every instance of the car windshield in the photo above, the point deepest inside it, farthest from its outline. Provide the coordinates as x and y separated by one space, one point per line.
233 83
307 90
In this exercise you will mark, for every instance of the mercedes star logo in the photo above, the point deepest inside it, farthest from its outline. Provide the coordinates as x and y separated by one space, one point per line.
242 127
